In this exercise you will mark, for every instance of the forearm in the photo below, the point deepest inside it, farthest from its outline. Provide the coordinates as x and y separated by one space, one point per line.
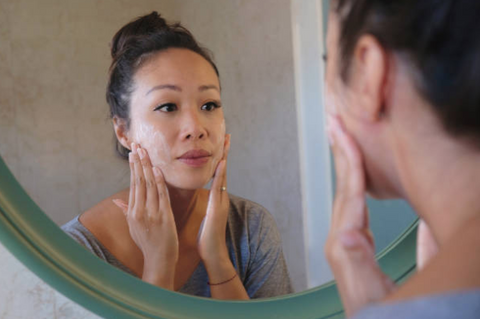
223 281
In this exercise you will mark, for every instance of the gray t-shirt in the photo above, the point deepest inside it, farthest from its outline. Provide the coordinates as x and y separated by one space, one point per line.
456 305
254 246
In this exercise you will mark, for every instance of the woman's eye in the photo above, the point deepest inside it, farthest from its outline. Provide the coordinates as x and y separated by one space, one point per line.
210 106
166 107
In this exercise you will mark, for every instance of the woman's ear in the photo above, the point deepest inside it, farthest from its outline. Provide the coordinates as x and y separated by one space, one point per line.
121 131
369 77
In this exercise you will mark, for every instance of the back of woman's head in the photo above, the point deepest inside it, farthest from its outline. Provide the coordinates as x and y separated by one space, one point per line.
438 38
131 47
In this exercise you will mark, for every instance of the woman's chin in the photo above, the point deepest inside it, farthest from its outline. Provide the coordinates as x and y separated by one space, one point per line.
188 183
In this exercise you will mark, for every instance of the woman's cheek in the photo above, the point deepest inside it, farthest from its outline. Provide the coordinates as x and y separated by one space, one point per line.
160 150
155 144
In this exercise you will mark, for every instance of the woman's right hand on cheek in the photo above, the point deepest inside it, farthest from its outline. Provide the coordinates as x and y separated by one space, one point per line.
150 219
350 249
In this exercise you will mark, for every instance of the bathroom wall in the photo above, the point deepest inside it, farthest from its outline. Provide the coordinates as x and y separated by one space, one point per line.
54 129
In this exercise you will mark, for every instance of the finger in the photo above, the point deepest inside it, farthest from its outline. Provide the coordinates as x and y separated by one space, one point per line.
366 224
359 241
350 207
226 147
150 184
354 215
350 175
139 184
162 191
341 170
122 205
215 196
340 162
224 187
224 173
131 195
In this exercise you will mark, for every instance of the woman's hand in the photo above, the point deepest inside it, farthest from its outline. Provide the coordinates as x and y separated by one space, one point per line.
211 245
150 220
350 249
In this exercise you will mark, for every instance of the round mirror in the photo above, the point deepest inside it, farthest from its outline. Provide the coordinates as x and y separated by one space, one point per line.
57 141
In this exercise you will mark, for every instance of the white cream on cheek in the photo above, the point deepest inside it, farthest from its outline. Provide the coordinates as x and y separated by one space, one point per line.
155 143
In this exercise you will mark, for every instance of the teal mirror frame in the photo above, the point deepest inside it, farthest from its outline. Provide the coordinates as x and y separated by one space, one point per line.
29 234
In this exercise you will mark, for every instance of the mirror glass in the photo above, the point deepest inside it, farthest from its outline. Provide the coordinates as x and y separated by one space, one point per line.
56 136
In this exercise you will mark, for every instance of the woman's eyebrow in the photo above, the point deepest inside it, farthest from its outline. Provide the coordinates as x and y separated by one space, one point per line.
208 87
179 89
163 87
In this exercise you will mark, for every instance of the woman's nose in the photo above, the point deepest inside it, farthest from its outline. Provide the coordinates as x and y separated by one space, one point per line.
192 126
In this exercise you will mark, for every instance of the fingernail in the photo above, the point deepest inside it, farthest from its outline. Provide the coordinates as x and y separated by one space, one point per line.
156 171
134 149
119 203
130 157
141 153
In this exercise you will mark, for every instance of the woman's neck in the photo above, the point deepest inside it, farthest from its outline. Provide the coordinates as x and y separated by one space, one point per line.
441 182
183 204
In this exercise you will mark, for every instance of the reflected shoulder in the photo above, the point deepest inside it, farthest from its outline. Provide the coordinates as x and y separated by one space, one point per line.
106 221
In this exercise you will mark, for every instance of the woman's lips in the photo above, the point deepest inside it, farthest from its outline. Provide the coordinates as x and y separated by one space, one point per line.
195 158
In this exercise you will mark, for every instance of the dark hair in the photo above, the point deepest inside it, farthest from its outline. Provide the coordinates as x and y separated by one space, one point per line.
440 38
131 47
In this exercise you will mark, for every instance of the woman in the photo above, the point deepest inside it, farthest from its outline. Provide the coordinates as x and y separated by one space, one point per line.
164 98
404 122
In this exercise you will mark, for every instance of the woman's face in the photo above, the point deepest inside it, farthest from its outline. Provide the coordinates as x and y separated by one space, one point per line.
176 116
348 102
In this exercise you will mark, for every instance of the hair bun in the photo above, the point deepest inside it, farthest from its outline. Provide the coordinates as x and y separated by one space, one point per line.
142 26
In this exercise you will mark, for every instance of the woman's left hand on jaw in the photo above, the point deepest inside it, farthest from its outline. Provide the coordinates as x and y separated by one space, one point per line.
211 244
350 249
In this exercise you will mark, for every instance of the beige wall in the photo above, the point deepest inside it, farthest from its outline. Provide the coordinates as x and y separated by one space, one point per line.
54 128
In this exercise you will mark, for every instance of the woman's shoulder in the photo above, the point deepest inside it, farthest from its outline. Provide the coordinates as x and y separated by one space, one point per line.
247 209
250 212
107 223
255 218
105 220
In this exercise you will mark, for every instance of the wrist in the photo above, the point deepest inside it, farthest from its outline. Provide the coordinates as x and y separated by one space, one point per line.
214 254
220 270
166 282
218 260
159 274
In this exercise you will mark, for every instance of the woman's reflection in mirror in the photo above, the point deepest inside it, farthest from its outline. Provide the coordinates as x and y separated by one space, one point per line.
166 109
403 104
